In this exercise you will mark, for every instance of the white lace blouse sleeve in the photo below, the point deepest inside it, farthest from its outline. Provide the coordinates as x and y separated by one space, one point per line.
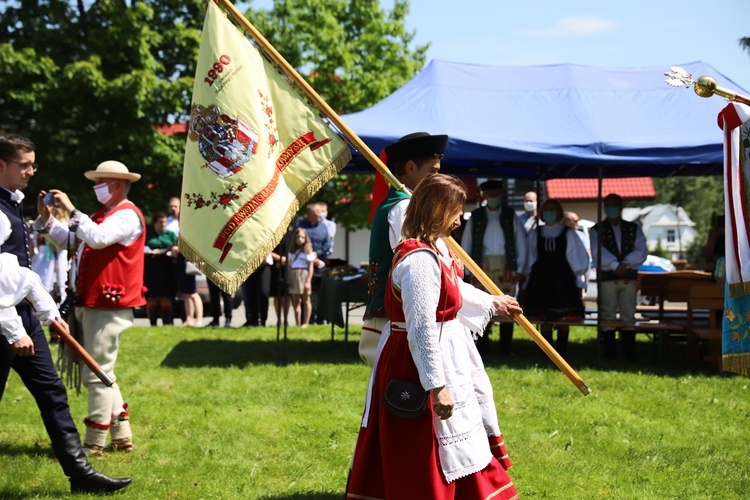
418 278
477 307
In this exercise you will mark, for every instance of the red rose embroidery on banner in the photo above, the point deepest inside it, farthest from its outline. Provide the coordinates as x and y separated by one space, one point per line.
265 102
215 200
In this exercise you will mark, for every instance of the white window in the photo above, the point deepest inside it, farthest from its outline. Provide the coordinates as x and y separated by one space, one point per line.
671 236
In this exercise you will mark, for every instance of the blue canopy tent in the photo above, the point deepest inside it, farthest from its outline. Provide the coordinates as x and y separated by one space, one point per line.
543 122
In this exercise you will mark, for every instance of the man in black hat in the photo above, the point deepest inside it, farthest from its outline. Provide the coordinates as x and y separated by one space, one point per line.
495 238
411 158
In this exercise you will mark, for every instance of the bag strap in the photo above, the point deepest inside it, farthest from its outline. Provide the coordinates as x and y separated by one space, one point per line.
440 336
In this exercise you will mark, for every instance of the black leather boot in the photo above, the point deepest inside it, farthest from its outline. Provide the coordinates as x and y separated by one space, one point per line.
166 317
628 344
153 316
563 332
75 465
608 345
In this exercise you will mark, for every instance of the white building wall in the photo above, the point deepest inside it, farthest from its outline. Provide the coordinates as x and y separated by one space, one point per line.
359 246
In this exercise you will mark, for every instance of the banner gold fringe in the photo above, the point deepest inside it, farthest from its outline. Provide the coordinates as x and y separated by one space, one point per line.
737 363
68 364
231 285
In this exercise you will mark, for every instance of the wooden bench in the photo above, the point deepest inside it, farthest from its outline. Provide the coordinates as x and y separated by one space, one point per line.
671 288
672 291
660 331
664 322
704 339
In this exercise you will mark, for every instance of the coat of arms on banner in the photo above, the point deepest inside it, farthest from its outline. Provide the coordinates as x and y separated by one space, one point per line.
225 143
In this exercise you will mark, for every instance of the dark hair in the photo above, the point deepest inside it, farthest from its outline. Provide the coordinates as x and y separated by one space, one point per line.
613 199
399 166
557 206
11 144
433 207
157 215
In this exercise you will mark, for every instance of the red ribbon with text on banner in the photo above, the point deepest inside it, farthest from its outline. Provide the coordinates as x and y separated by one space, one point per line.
260 199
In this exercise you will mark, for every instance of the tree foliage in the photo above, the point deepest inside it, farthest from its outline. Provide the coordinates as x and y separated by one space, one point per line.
701 197
354 54
89 80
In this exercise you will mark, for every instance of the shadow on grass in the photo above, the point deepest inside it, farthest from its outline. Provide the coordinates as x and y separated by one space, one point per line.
10 450
305 496
584 354
226 353
38 493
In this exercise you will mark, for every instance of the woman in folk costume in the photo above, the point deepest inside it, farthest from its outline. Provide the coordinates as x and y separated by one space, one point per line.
454 451
556 260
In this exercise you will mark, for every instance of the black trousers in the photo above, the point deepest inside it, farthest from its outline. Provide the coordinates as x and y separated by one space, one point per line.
40 377
217 297
506 339
255 292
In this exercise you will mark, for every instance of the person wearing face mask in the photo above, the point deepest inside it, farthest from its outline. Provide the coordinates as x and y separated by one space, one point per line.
528 217
23 345
329 224
623 250
108 279
556 261
495 238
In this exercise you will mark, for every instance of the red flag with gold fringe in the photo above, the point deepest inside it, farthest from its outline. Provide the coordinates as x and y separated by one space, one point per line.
735 121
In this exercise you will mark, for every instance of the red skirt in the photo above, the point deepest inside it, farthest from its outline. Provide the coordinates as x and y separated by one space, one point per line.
398 458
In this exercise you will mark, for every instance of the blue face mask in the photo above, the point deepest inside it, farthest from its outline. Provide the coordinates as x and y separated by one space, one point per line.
494 203
612 212
549 217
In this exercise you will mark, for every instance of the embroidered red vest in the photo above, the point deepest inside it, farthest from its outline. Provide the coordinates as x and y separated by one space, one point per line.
450 296
112 277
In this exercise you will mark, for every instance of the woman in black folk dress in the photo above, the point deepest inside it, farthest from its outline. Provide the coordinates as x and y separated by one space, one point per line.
556 259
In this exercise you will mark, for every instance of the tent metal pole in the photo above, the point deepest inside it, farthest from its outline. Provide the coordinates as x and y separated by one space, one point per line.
599 338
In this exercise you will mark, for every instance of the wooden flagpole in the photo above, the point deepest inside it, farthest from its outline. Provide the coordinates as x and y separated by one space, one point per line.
395 183
62 331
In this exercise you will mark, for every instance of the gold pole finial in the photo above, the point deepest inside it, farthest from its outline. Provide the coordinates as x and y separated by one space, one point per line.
705 86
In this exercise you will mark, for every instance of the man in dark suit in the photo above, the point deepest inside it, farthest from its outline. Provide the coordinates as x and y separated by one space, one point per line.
34 364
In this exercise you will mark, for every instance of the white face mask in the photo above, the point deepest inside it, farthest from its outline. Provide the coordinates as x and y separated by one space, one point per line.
529 206
102 193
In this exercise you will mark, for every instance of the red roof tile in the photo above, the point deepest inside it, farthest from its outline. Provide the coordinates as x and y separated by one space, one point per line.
630 188
172 128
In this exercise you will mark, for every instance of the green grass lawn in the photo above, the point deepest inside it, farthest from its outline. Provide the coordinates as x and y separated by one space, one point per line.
232 413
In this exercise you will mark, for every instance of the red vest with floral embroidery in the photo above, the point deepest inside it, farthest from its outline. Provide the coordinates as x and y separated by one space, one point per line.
112 277
450 296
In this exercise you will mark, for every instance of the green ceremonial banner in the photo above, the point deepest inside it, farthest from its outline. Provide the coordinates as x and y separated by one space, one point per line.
256 151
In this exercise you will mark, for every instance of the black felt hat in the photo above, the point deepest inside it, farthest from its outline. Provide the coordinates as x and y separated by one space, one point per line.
416 145
491 184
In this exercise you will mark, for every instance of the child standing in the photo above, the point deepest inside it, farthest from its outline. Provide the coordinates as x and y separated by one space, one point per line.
301 259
